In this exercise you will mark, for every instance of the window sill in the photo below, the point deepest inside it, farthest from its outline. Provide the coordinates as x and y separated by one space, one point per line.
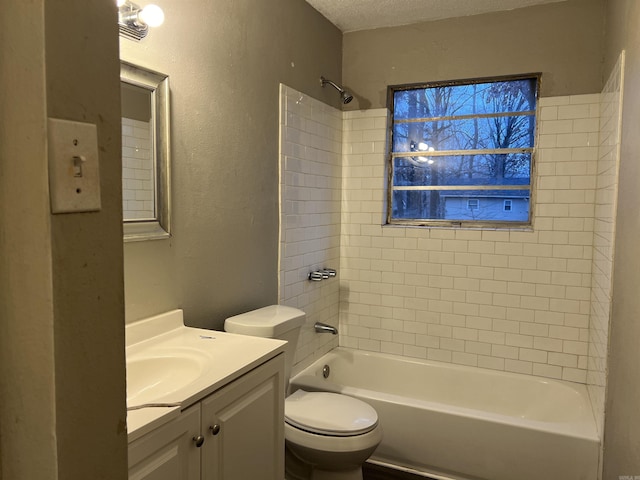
453 226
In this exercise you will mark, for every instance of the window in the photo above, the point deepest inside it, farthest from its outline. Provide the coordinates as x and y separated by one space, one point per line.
456 145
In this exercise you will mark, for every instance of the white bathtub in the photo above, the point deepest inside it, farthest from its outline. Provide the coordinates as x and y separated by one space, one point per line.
459 422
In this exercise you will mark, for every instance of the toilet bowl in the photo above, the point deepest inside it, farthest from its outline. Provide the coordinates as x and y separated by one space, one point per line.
328 436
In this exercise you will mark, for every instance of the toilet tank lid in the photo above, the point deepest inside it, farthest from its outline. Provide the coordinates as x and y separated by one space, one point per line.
268 322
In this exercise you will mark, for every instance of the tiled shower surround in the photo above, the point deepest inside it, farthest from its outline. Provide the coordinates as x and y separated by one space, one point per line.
603 239
310 192
513 300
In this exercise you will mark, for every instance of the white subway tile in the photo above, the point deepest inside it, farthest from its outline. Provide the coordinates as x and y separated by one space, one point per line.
557 126
547 344
478 348
486 336
390 347
428 341
439 355
573 111
530 355
414 351
517 340
462 358
545 370
565 333
574 375
518 366
576 348
453 344
563 359
493 363
548 113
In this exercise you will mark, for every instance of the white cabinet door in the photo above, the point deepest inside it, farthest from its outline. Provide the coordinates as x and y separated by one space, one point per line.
243 424
168 453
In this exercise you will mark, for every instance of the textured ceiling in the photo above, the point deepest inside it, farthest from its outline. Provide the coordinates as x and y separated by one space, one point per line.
350 15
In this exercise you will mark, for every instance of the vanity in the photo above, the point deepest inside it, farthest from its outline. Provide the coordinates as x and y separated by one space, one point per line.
203 404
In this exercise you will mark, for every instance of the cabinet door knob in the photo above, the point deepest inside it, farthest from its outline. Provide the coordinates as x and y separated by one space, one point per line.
199 440
215 429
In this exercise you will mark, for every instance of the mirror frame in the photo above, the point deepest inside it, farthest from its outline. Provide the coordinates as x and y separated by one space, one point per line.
158 86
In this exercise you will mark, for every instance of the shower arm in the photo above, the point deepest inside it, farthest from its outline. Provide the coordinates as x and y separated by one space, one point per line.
324 81
344 95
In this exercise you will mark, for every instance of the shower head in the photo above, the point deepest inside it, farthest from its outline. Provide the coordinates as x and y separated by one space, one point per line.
344 95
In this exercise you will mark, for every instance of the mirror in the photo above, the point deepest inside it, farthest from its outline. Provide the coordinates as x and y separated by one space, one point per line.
145 153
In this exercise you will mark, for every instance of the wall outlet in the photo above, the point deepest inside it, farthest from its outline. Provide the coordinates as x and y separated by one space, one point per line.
74 168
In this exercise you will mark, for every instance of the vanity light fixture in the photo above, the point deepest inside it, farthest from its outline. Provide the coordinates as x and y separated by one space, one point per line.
134 21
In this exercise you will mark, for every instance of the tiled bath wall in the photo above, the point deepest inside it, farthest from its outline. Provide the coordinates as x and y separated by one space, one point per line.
513 300
310 192
603 240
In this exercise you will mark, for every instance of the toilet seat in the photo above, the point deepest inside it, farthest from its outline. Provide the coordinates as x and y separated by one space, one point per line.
329 414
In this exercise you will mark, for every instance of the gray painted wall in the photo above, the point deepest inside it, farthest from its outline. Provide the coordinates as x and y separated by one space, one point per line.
81 52
622 422
561 40
61 299
62 373
26 367
225 61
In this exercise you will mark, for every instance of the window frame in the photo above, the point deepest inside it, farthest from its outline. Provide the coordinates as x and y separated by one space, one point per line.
389 164
505 205
477 205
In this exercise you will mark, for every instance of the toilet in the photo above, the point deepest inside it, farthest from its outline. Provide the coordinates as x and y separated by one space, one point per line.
328 436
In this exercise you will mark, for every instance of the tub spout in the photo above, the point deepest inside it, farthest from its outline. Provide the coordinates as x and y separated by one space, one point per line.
324 328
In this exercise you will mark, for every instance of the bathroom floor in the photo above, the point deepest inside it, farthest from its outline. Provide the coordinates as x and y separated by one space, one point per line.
376 472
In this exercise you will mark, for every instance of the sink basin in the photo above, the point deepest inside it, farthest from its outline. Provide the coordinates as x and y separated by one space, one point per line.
152 379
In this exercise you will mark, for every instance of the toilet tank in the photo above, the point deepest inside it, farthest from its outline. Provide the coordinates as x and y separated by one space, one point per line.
274 321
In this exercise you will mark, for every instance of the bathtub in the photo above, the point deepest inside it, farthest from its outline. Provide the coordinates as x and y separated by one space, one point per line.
454 422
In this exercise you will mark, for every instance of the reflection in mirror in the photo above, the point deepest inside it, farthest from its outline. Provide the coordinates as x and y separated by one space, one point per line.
138 193
145 153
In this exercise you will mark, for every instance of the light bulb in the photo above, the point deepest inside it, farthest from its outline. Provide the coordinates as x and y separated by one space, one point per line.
423 146
152 15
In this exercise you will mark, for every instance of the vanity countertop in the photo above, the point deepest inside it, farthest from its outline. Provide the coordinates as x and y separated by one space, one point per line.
174 366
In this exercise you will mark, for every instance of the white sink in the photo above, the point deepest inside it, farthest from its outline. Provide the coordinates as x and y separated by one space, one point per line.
152 378
172 366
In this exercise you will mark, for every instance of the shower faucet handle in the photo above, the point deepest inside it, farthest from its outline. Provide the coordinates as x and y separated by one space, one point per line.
323 274
315 276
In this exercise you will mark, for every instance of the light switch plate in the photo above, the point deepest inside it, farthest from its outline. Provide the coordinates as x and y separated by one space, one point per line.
74 169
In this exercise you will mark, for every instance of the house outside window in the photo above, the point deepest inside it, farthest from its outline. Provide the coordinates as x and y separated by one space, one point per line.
461 152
